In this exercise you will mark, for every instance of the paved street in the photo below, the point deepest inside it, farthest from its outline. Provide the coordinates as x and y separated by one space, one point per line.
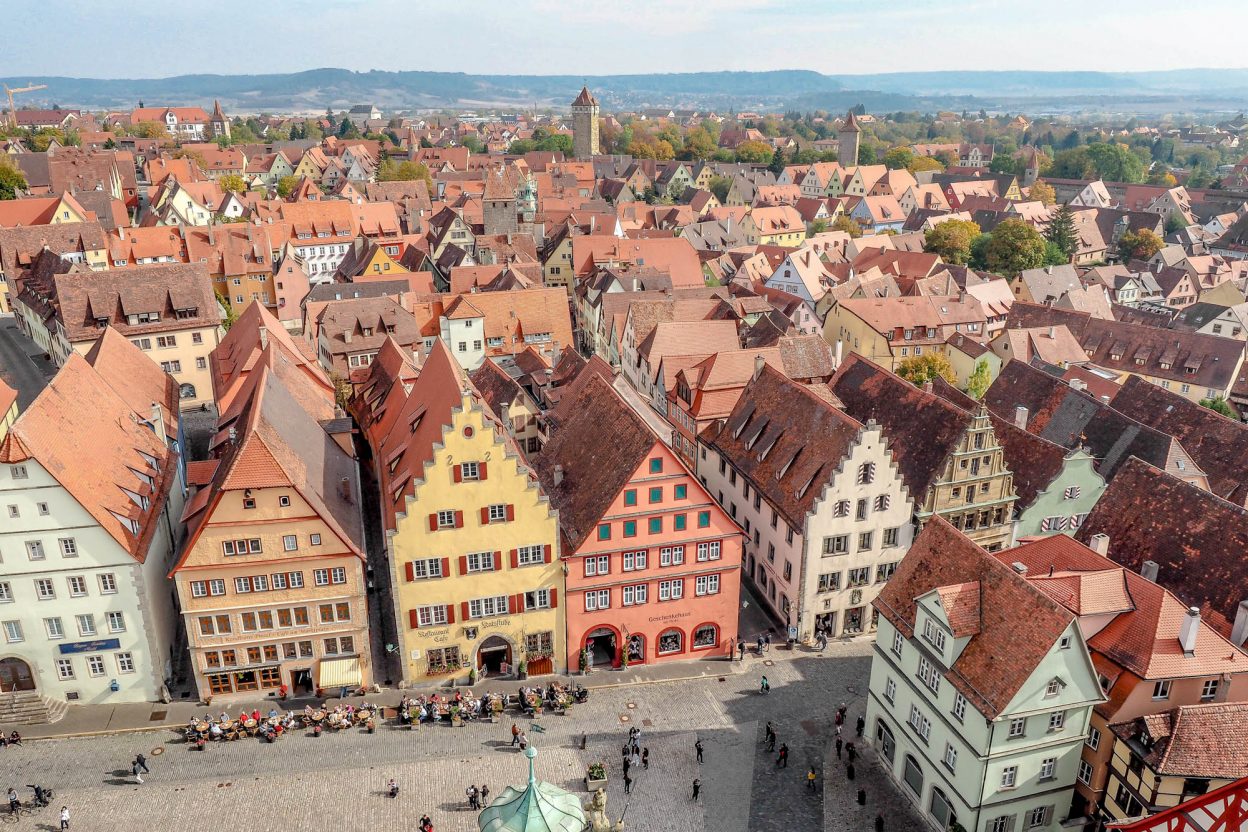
335 782
22 365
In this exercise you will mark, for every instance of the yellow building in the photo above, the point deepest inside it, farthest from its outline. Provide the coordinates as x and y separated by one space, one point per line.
777 225
472 538
271 578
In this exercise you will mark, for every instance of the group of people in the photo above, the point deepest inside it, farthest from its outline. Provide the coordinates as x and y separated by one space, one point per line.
433 707
12 739
478 798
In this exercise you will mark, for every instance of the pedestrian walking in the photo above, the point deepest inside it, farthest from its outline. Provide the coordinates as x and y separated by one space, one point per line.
137 772
626 766
485 795
697 787
741 649
392 788
645 758
515 733
764 686
860 725
879 823
767 642
64 817
839 743
838 731
628 784
769 736
697 746
783 760
14 803
810 779
851 752
141 762
849 771
524 741
474 797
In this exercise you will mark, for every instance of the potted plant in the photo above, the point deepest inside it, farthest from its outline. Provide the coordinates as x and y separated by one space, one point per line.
585 660
472 676
496 709
624 658
457 721
595 776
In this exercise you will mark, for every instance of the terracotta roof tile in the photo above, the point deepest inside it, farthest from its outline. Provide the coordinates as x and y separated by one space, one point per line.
1205 741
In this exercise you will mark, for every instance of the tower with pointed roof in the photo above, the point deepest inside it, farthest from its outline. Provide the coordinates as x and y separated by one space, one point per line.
498 206
585 112
848 137
220 124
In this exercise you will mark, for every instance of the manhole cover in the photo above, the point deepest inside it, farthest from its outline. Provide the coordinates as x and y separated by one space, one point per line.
769 662
625 718
631 705
157 716
156 752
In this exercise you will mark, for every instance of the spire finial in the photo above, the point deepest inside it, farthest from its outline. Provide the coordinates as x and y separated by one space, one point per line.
531 753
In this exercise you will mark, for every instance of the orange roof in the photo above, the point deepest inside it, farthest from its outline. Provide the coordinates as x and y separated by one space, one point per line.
240 351
961 605
676 256
37 210
136 379
539 315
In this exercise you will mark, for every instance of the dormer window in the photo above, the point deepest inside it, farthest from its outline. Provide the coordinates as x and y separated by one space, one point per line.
1053 688
934 635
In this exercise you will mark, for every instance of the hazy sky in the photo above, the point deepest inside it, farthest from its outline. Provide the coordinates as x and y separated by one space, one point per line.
156 38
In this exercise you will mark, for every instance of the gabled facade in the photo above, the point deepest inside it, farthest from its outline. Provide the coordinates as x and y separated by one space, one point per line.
826 515
471 538
981 689
653 565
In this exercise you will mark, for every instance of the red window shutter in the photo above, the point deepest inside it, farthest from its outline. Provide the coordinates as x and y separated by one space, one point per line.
511 512
498 561
546 553
511 604
463 564
481 472
459 519
463 609
413 620
410 569
515 558
433 522
450 613
485 515
554 598
446 567
458 473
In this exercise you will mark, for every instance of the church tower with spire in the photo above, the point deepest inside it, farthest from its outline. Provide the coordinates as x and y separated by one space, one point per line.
847 139
585 125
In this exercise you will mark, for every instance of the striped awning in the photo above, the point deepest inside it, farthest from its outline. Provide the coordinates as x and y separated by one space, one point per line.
336 673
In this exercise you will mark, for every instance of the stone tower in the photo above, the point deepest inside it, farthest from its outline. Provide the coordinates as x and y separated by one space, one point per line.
847 141
220 124
585 125
498 205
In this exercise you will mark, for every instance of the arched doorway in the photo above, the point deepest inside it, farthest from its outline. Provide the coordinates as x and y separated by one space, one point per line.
186 391
15 675
636 649
494 656
602 646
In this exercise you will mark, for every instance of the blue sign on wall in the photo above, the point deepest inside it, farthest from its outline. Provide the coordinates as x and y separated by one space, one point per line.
90 646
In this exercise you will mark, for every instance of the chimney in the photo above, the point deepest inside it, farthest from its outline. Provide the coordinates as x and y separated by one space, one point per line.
264 337
1100 544
158 421
212 236
1019 567
1020 417
1052 332
504 415
928 388
1048 270
1188 631
1239 630
1148 570
344 489
759 363
558 477
840 346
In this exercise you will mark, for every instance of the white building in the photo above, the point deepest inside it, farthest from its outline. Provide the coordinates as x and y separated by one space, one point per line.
91 493
826 516
981 689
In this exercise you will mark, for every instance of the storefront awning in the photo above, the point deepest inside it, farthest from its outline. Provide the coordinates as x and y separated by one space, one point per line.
336 673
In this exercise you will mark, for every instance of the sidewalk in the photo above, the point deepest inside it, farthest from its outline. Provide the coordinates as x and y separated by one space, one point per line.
93 720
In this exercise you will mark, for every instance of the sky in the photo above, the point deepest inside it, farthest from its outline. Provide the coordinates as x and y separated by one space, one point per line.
159 38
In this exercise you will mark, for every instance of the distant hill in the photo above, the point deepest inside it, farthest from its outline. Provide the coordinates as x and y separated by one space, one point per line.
312 91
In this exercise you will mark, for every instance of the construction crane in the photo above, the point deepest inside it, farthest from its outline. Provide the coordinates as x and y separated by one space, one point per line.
10 91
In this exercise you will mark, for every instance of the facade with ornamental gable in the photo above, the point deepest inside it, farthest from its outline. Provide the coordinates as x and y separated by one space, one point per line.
471 537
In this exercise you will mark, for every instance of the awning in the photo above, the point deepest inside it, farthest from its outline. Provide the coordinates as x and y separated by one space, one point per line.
336 673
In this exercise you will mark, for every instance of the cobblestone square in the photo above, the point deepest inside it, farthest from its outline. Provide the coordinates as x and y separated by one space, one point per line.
337 782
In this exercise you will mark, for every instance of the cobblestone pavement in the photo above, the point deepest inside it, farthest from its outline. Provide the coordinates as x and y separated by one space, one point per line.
335 782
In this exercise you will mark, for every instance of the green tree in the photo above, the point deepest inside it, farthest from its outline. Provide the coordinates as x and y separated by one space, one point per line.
1219 405
472 143
898 158
286 186
1139 245
392 171
1175 222
816 227
347 129
777 162
720 185
1073 163
1053 255
919 369
1116 163
846 224
1002 163
699 144
11 179
979 249
1061 232
951 239
979 381
922 163
754 152
1013 247
867 155
231 314
232 183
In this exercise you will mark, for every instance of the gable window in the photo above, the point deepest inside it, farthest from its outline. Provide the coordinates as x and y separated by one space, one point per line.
866 473
934 635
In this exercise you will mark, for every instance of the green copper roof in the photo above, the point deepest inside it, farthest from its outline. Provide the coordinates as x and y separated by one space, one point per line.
538 807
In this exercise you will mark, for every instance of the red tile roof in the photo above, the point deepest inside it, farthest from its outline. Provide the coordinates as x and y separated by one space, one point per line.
1205 741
